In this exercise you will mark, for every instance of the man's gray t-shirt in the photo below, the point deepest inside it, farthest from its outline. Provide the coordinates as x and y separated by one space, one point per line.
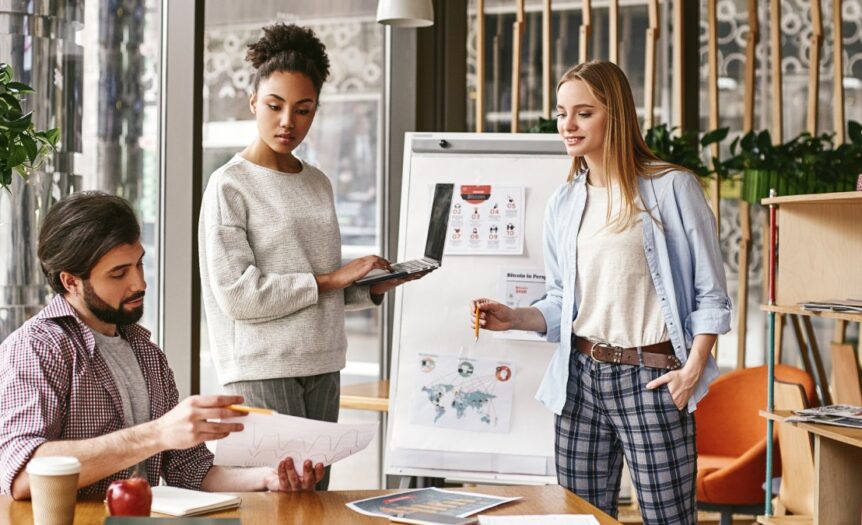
124 367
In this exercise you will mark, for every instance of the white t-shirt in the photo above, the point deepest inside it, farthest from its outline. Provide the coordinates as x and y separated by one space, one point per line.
616 298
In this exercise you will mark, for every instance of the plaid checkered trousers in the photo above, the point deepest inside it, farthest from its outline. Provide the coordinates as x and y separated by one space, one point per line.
610 413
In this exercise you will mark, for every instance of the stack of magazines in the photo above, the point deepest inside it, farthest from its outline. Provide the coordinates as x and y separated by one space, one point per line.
833 305
841 415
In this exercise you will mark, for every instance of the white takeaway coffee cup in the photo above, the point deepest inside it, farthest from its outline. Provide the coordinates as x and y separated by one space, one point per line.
53 489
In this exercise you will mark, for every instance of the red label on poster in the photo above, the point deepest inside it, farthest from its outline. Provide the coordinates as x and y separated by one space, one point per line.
476 194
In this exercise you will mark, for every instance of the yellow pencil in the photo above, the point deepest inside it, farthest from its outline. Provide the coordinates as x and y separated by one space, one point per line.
243 408
477 323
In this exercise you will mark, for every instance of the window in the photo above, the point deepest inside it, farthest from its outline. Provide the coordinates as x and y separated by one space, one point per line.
120 119
94 67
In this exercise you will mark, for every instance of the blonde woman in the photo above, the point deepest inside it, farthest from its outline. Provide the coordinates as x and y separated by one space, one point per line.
636 296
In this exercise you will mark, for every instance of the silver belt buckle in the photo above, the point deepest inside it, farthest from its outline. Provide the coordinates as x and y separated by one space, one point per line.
618 352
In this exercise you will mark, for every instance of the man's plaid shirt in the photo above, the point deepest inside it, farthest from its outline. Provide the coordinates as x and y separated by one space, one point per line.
55 385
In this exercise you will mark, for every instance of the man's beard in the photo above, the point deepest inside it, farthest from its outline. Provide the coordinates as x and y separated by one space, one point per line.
107 313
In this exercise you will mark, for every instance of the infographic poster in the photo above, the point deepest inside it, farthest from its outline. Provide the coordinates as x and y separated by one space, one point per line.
486 220
462 393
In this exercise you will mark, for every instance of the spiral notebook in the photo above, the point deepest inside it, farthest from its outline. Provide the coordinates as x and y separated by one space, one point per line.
175 501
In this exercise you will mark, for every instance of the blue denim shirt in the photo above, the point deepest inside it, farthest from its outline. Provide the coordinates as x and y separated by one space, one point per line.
683 257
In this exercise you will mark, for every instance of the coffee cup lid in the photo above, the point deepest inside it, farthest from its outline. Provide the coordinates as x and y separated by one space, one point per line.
54 466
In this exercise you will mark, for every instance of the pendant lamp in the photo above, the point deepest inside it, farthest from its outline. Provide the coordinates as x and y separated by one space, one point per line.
405 13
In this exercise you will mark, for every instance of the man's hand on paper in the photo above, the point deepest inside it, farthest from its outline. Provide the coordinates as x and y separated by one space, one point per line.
187 425
286 479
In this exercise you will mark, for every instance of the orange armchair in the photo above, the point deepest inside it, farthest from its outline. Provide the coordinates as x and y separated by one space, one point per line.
731 439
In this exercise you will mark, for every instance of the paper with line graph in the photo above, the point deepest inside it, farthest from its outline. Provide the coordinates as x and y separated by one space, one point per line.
267 439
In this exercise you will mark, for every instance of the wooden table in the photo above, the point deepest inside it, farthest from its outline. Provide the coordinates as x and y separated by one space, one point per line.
837 472
309 508
366 396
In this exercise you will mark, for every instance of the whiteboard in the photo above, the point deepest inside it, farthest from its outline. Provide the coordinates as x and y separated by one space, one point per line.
432 315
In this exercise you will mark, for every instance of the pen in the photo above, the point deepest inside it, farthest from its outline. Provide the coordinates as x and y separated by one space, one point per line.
477 323
243 408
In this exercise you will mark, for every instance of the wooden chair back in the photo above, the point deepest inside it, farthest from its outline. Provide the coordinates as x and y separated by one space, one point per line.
845 375
797 454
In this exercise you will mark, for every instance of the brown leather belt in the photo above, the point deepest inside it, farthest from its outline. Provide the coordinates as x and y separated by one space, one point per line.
659 355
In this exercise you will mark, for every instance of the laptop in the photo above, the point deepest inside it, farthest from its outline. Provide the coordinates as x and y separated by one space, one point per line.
434 244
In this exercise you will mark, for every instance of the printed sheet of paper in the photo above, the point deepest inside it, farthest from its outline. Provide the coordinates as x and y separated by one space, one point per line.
486 220
462 393
267 439
519 288
549 519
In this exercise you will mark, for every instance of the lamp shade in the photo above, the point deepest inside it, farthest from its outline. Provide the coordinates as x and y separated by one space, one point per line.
405 13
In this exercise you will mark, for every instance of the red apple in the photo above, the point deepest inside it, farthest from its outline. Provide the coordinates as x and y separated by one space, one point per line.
129 497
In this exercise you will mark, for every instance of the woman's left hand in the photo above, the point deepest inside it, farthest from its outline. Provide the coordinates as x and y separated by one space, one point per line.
384 286
680 383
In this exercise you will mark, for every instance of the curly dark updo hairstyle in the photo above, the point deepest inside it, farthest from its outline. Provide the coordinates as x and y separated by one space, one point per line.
291 48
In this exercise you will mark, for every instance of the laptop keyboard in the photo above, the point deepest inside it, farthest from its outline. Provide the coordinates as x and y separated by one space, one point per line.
416 265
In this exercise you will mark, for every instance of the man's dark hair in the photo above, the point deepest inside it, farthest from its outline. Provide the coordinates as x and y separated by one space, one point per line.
79 230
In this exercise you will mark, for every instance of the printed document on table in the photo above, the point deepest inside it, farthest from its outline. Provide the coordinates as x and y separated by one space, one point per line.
267 439
550 519
428 500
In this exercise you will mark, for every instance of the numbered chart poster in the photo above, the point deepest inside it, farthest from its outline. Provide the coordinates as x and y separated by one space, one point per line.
486 220
462 393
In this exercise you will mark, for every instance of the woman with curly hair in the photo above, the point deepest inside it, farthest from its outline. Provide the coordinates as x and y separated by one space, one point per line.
275 291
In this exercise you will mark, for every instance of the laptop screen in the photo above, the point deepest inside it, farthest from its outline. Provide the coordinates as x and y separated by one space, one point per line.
439 221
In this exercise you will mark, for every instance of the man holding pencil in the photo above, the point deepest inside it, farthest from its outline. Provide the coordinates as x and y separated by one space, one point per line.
82 379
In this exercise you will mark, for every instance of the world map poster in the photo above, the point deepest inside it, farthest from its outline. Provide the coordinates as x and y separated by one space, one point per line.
469 394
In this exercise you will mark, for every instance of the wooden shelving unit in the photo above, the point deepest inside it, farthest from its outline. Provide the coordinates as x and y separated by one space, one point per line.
838 473
819 258
819 247
795 310
846 197
785 520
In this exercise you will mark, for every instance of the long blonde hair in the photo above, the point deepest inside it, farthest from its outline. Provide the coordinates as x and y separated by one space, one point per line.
625 155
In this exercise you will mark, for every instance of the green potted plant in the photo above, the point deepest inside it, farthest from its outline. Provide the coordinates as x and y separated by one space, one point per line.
835 168
22 147
805 164
759 161
685 149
